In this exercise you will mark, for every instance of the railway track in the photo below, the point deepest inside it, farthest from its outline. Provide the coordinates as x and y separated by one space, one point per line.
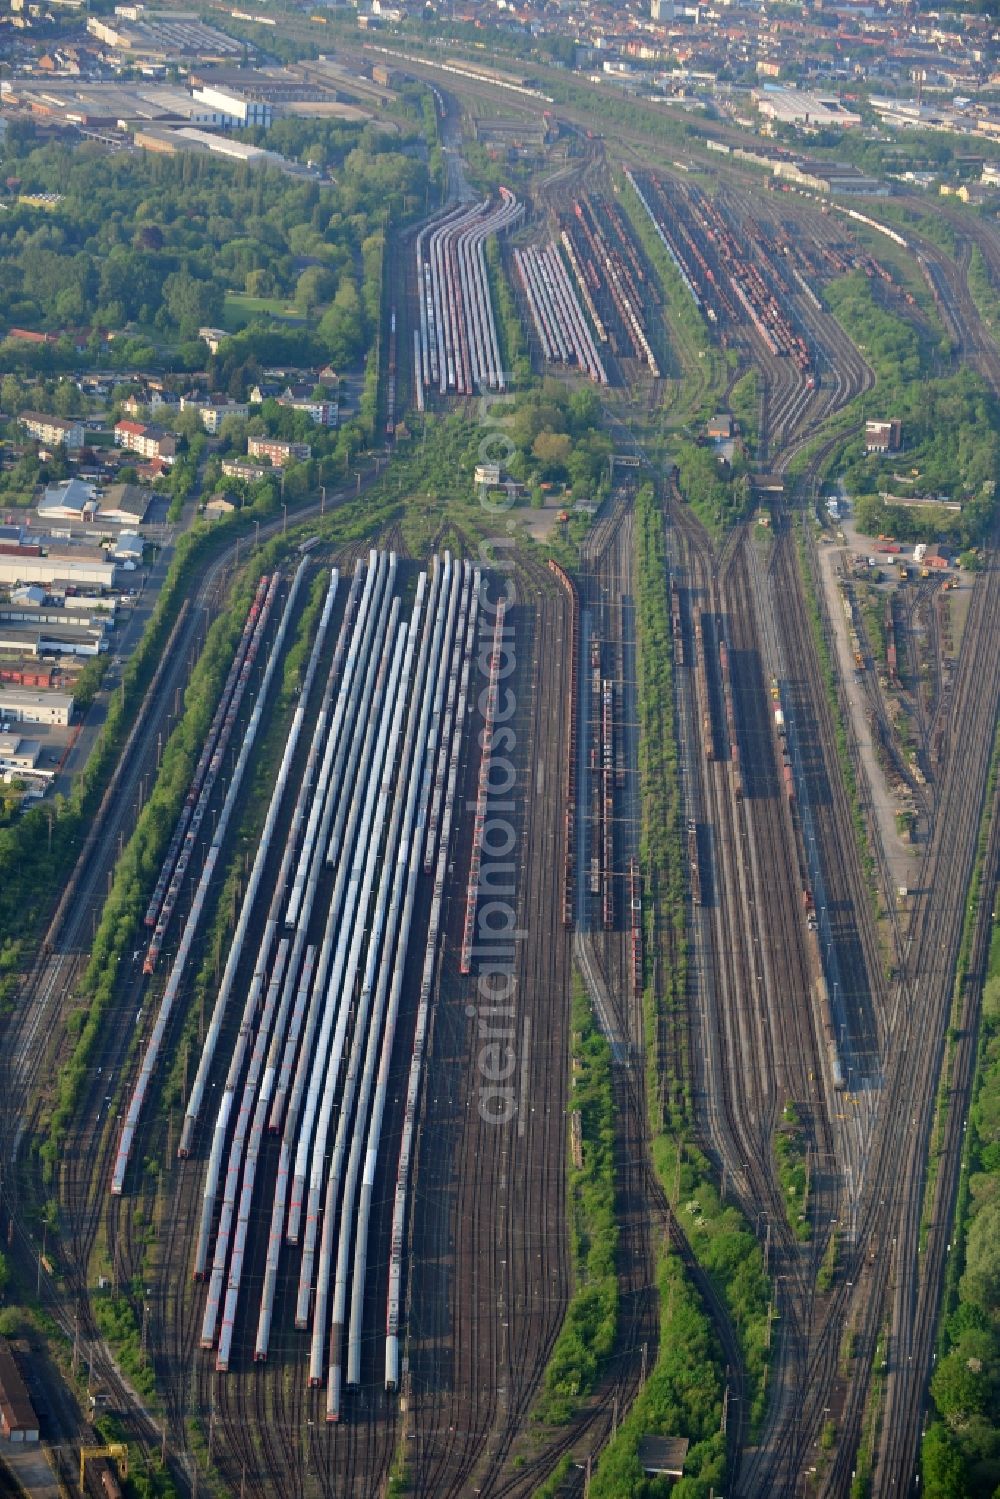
495 1199
756 1070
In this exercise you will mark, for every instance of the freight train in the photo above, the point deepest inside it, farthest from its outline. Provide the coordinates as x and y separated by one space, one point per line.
735 774
635 917
569 790
676 623
694 863
600 243
718 275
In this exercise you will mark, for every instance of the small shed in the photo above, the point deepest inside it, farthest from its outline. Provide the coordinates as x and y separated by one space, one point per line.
663 1457
127 547
220 504
883 437
18 1422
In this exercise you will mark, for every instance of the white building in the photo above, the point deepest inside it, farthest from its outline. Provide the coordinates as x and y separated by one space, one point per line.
234 110
148 442
223 146
128 547
244 468
18 756
71 500
28 705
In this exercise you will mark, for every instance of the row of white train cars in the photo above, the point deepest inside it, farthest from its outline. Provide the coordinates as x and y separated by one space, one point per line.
561 327
331 937
455 348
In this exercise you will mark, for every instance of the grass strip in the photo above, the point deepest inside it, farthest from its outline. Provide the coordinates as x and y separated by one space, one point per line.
588 1332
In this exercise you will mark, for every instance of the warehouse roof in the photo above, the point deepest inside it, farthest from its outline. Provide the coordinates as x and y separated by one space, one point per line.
663 1455
72 495
30 697
129 501
18 1413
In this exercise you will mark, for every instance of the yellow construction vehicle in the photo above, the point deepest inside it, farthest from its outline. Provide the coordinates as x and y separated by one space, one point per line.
117 1450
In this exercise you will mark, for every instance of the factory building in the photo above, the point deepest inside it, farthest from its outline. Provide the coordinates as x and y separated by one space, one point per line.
807 111
165 39
235 110
127 503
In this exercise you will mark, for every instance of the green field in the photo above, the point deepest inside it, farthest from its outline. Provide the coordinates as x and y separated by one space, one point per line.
241 309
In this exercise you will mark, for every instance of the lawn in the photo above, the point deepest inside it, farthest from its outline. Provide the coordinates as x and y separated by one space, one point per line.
241 309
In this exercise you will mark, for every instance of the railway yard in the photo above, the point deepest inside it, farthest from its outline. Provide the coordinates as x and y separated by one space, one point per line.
319 1159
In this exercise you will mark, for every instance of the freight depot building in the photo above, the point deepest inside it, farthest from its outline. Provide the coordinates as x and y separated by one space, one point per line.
836 177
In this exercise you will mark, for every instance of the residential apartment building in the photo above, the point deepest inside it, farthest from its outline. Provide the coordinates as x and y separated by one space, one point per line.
54 431
214 413
280 453
244 468
148 442
321 413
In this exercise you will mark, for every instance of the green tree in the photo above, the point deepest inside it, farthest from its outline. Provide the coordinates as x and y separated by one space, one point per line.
314 287
258 283
12 398
233 432
960 1387
341 327
981 1282
943 1464
191 303
552 448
